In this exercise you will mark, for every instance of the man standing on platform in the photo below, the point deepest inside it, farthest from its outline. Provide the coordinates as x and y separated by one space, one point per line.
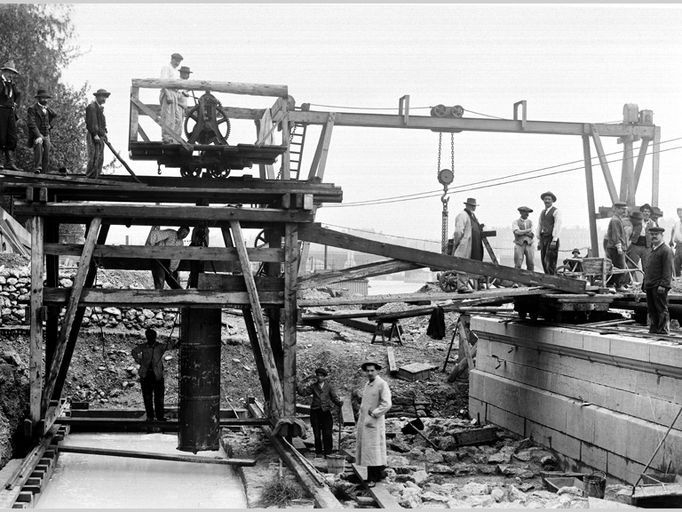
657 282
321 419
523 239
169 99
9 101
96 126
467 240
676 242
166 270
150 358
616 244
39 124
370 443
549 228
640 243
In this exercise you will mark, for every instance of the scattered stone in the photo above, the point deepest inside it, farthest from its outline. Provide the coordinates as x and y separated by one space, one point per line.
396 461
406 470
399 445
502 457
572 490
101 368
497 494
474 488
433 456
113 311
419 476
441 469
432 496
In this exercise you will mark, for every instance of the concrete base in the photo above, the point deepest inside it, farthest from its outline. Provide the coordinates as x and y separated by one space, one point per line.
604 401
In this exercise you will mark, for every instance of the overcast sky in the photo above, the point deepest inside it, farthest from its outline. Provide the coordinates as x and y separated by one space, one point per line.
570 62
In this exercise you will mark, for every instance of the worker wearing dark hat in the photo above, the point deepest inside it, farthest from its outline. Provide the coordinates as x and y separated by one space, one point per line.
96 126
676 242
657 282
321 419
616 244
523 239
548 231
9 101
169 99
39 123
639 244
182 98
467 240
370 442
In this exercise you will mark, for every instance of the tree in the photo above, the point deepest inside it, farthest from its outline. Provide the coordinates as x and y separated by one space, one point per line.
38 38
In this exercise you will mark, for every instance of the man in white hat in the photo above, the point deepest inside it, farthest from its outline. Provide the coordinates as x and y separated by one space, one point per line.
523 239
39 123
370 442
169 99
548 231
9 101
467 241
96 126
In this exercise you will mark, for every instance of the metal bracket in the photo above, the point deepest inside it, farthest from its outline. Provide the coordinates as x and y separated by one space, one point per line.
524 108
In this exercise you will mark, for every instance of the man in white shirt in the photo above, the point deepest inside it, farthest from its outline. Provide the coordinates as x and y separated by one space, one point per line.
676 242
166 270
523 239
549 228
171 111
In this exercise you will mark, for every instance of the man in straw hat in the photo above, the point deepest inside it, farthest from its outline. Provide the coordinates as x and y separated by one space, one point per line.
182 98
370 442
548 231
169 99
321 419
467 240
616 243
676 242
96 126
9 100
523 239
657 282
39 122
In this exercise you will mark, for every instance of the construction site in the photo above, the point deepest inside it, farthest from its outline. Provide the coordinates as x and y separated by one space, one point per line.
525 390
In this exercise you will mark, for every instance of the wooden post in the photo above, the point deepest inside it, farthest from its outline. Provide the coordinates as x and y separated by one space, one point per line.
52 281
320 158
36 371
274 240
639 166
591 208
257 355
613 194
627 177
134 115
291 261
276 397
286 156
656 158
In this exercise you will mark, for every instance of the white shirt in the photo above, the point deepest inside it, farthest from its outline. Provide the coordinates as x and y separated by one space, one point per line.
168 72
676 234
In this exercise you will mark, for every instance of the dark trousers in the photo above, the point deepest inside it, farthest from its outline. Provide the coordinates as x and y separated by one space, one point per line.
161 275
657 305
8 129
41 155
678 259
152 394
637 253
376 473
95 156
548 255
618 261
323 424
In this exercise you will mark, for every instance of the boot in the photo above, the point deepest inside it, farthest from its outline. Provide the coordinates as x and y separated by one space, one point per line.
9 161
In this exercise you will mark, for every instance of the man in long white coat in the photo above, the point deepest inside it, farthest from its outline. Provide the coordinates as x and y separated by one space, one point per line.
171 110
467 240
370 445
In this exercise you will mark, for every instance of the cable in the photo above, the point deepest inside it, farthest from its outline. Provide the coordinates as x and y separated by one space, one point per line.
486 115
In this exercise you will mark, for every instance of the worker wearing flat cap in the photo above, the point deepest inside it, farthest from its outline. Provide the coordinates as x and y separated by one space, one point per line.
523 239
96 126
321 419
676 242
9 102
39 123
171 110
657 282
370 443
548 231
616 244
467 240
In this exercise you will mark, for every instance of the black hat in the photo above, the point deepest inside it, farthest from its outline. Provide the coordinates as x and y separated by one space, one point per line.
620 204
42 93
176 56
645 206
548 193
575 250
184 69
656 229
321 371
636 215
367 363
102 92
471 201
525 209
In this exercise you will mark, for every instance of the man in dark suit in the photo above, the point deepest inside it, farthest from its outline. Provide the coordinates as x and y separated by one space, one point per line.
96 125
658 277
39 123
9 100
321 420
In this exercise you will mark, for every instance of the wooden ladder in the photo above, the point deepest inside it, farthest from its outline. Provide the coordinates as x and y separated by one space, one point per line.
296 142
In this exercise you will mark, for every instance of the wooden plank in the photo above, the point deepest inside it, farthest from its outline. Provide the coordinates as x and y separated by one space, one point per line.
392 366
291 262
196 459
347 416
613 193
165 298
483 435
379 268
591 208
157 119
315 233
55 179
639 166
379 491
627 172
275 90
232 112
286 156
147 215
320 158
19 232
655 165
71 307
36 370
134 127
116 424
276 395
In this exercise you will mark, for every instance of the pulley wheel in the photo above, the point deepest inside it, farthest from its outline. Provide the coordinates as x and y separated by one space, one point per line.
207 136
439 111
445 176
190 171
260 240
218 172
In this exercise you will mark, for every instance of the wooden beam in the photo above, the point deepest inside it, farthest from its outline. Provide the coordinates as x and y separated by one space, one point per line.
655 166
378 268
347 416
71 307
134 127
379 491
320 159
36 370
146 215
591 207
159 298
257 355
232 112
281 91
160 252
392 366
197 459
291 262
627 176
286 156
52 281
639 166
613 193
157 119
273 238
470 124
276 396
315 233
